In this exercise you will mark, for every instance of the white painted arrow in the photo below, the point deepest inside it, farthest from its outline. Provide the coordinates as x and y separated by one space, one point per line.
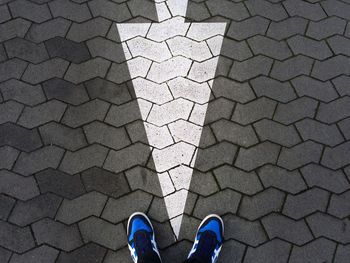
172 66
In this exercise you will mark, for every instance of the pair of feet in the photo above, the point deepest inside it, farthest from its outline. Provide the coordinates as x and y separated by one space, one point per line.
143 247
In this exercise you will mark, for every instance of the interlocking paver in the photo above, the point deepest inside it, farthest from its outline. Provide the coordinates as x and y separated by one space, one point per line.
57 27
70 10
291 68
249 27
340 45
286 28
332 67
339 205
275 250
333 111
12 68
89 253
269 47
6 205
342 253
15 238
235 11
266 9
31 11
309 47
8 156
337 157
42 254
89 29
4 14
114 11
337 8
326 27
312 11
344 126
10 111
14 28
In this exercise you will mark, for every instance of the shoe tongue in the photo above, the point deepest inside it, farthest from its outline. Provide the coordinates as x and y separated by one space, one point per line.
144 248
205 248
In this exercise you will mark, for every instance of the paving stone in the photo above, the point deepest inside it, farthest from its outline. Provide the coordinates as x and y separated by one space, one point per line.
24 49
30 11
332 67
305 203
340 45
342 254
8 156
4 14
48 231
300 155
337 157
312 11
291 68
266 9
146 10
72 211
49 111
100 47
14 28
247 28
334 181
323 225
75 116
114 11
345 127
234 49
271 48
4 254
121 115
3 56
250 233
203 184
337 8
268 130
42 254
57 27
334 111
97 132
295 110
250 68
319 250
18 137
179 87
276 90
282 179
52 68
316 49
119 256
70 10
12 68
6 205
325 28
235 11
46 157
68 50
22 92
286 28
15 238
89 29
90 253
275 250
59 183
75 162
232 251
339 205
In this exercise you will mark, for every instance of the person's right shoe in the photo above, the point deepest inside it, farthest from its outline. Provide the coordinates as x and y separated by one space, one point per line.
208 241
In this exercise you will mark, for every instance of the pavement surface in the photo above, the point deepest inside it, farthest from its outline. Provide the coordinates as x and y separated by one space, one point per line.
273 159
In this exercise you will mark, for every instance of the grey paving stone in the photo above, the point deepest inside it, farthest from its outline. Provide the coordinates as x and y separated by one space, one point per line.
250 233
101 47
4 14
274 251
119 256
331 68
70 10
334 111
319 250
6 205
76 116
97 132
311 11
103 233
12 68
108 183
90 253
3 55
120 209
337 8
135 154
207 205
117 12
250 68
46 157
119 73
266 9
109 91
284 228
57 27
48 231
269 47
15 238
295 110
291 68
232 251
203 184
144 9
31 11
8 156
286 28
325 28
334 181
305 203
75 162
269 130
337 157
26 50
282 179
67 49
219 109
323 225
340 45
46 70
316 49
25 213
229 9
261 204
300 155
72 211
87 30
344 126
4 254
42 254
342 254
274 89
235 50
59 183
14 28
248 27
256 156
22 92
339 205
49 111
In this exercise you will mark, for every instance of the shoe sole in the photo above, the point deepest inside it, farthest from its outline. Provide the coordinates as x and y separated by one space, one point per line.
138 214
215 216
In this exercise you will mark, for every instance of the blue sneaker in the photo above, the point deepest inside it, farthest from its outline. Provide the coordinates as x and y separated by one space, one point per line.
208 242
141 239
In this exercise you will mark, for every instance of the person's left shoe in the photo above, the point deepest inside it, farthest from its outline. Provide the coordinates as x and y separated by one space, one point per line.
141 239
